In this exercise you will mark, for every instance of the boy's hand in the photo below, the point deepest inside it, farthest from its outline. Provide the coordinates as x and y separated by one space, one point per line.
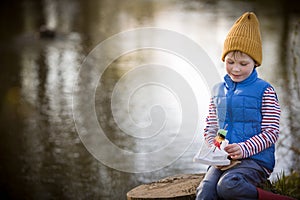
234 151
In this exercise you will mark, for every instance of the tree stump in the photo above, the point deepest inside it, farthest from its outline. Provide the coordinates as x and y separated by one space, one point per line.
178 187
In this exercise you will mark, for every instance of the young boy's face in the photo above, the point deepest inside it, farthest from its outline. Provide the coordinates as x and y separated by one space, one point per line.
239 65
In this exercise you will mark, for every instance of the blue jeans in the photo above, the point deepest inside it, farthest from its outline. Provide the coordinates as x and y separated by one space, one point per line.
238 182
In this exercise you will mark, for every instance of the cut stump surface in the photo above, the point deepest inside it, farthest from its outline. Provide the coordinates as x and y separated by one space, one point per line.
179 187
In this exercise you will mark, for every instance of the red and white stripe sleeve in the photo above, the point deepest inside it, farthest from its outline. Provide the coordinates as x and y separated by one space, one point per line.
211 128
269 126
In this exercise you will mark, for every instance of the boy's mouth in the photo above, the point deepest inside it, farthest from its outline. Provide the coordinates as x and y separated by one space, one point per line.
235 76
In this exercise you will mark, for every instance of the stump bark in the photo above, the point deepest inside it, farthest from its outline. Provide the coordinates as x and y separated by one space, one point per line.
178 187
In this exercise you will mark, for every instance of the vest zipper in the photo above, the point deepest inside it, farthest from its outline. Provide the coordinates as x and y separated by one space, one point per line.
229 108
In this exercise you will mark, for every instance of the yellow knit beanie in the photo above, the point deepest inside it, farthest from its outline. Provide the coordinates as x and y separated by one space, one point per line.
244 36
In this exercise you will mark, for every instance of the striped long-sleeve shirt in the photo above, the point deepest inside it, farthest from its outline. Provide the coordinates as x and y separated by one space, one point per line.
269 125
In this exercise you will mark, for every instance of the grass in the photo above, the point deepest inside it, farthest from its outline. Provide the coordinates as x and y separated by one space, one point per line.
288 185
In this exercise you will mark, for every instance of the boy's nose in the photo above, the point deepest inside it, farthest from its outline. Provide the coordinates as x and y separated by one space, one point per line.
236 68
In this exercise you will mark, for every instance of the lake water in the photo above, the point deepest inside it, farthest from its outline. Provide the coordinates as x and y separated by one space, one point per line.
81 120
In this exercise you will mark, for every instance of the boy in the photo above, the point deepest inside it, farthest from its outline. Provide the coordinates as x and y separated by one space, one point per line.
248 107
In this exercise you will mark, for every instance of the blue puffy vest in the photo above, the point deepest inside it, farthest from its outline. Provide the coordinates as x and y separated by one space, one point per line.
239 109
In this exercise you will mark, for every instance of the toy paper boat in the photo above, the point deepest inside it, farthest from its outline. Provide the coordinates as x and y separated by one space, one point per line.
212 156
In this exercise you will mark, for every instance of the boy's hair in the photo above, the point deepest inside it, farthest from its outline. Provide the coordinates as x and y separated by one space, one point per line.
235 55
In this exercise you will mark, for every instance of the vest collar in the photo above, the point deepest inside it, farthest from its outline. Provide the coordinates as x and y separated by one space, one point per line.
229 83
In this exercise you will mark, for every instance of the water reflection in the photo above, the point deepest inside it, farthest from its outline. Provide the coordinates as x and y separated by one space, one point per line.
44 157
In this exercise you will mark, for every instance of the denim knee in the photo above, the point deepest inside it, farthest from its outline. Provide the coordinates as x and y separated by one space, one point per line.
230 186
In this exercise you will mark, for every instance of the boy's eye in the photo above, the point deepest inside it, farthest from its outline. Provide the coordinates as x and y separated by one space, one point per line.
244 64
230 62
